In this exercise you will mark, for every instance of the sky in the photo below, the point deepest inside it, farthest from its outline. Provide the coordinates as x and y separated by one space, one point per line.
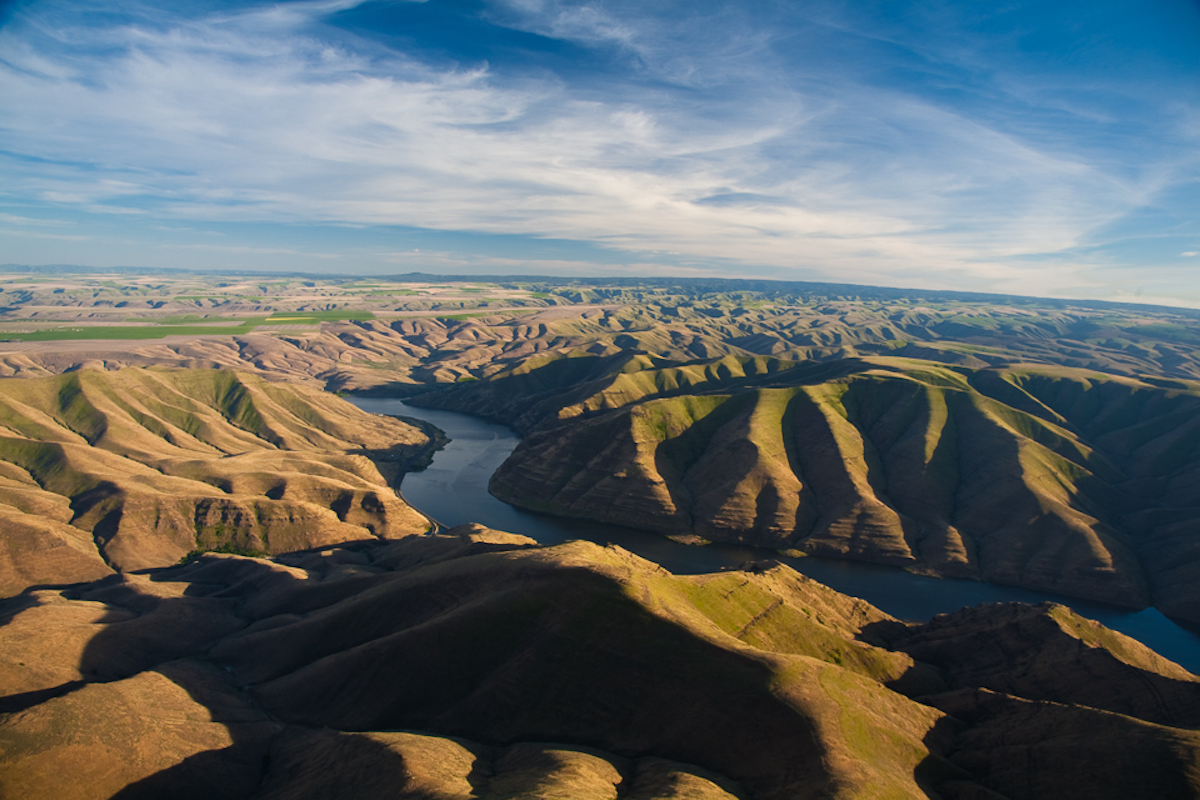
1037 148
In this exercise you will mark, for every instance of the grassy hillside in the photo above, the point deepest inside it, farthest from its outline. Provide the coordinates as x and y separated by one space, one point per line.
478 665
1063 480
137 468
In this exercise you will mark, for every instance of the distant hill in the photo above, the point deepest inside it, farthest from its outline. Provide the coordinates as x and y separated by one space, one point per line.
414 342
137 468
787 290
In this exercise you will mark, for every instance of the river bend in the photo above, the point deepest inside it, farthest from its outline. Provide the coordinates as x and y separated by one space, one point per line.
453 490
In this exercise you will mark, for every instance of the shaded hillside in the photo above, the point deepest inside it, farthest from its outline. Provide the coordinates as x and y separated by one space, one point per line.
1055 479
137 468
479 666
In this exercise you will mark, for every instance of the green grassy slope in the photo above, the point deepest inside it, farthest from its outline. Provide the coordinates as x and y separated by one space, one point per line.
1062 480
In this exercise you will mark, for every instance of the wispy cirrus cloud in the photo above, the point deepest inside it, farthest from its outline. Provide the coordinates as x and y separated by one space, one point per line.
827 142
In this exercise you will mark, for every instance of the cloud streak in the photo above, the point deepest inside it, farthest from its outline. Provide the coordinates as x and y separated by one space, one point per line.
271 114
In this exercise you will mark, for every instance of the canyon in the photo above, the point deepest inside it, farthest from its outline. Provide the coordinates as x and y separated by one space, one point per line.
212 587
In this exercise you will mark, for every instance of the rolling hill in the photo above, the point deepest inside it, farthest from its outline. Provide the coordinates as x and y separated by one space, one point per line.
396 343
1058 479
137 468
479 665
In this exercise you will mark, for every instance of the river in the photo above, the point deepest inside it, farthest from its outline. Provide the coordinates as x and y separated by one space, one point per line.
453 490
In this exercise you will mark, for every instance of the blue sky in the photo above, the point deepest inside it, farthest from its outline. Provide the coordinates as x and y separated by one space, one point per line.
1038 148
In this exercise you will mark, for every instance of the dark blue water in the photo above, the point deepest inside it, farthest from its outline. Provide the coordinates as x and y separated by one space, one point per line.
453 490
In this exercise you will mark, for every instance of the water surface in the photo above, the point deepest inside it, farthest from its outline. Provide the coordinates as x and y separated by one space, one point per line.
453 490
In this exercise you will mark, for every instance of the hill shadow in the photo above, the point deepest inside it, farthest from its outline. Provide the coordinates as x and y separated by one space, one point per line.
146 630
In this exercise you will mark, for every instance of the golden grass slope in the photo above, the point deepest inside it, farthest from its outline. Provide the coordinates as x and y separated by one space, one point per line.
136 468
480 666
1062 480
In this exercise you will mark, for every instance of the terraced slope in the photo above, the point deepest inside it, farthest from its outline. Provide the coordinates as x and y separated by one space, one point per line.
480 666
137 468
1055 479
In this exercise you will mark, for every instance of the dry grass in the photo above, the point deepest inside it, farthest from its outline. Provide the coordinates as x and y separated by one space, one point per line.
137 468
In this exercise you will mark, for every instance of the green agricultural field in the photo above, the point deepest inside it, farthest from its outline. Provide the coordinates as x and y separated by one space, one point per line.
112 332
185 325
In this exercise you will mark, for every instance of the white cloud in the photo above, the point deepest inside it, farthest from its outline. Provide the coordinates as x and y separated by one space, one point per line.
59 237
16 219
245 249
251 116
